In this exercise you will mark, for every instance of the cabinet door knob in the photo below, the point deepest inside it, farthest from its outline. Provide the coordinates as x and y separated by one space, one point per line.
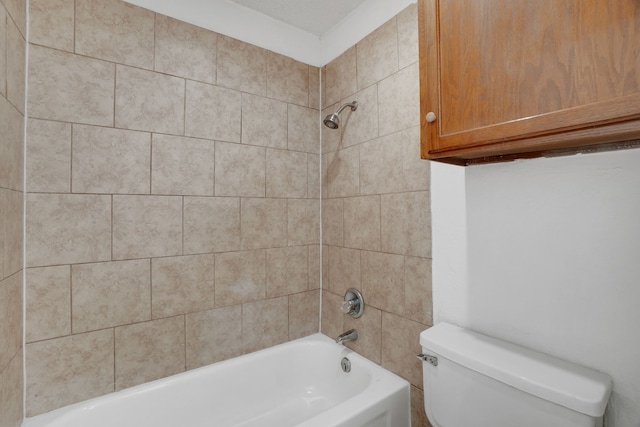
431 117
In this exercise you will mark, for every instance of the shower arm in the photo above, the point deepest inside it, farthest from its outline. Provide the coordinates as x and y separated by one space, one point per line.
353 105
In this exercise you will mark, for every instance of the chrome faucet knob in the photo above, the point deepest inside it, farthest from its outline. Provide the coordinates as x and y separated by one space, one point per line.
347 306
353 303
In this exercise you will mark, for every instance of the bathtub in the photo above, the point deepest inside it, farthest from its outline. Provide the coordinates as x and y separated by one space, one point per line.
300 383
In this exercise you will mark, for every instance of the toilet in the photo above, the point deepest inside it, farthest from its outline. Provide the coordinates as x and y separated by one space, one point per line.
472 380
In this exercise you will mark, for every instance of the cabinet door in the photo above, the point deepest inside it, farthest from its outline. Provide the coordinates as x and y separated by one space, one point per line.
517 76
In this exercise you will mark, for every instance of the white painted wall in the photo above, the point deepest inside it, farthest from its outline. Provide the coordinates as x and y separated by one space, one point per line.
553 261
244 24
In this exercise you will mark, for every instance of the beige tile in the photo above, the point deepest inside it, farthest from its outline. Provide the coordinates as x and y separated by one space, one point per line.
70 88
149 101
344 270
50 384
417 288
211 224
399 100
303 129
48 302
264 121
146 226
48 156
303 221
182 166
115 31
313 176
383 281
341 173
52 23
110 294
149 351
3 204
400 344
406 223
242 66
381 165
240 170
418 415
416 172
264 323
314 267
182 285
332 222
314 88
362 124
17 10
340 77
12 148
287 79
287 271
110 161
377 54
67 229
11 392
213 112
369 327
3 52
286 174
13 232
15 66
240 277
325 265
332 317
185 50
408 35
11 325
263 223
213 336
362 222
304 316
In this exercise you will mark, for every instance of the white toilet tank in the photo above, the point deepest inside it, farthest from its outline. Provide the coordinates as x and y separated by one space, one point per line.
472 380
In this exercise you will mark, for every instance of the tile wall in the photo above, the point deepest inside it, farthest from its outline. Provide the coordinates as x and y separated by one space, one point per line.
12 108
172 199
376 215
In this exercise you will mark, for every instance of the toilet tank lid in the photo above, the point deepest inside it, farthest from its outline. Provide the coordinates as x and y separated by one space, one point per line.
575 387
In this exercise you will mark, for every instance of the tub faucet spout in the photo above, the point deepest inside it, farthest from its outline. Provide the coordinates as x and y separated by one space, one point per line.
350 335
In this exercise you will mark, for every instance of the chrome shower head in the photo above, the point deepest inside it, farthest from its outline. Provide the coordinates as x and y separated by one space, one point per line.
332 121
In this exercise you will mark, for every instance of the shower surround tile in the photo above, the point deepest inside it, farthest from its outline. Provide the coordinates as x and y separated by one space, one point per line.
362 222
182 166
344 270
408 35
66 229
239 170
399 347
11 152
263 223
383 281
242 66
3 52
303 221
377 54
381 165
52 23
399 100
264 121
213 112
11 326
115 31
211 224
286 174
110 161
303 129
185 50
212 336
240 277
287 271
341 77
147 226
149 101
89 356
288 80
48 156
110 294
70 88
48 296
406 223
11 402
182 285
303 314
148 351
265 323
15 66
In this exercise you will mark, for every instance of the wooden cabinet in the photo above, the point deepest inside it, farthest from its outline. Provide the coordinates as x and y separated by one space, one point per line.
501 79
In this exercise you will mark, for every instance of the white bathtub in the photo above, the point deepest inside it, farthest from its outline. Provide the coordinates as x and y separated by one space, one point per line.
300 383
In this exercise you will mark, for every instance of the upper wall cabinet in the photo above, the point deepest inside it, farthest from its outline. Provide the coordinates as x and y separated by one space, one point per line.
502 79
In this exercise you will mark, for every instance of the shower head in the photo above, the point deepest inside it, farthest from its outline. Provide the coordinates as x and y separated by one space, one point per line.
332 121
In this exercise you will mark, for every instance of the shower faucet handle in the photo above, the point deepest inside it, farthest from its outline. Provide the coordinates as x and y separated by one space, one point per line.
353 303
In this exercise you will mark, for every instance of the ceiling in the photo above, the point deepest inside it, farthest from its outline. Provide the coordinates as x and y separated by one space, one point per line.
313 16
311 31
